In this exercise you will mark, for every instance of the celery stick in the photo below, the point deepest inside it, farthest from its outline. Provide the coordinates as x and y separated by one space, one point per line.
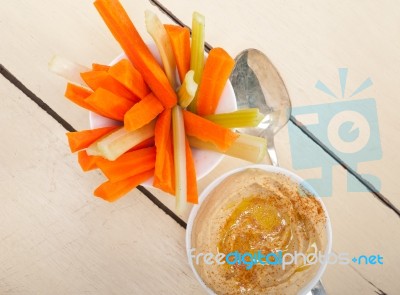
188 89
197 47
160 36
93 149
178 129
118 142
247 147
197 50
239 119
67 69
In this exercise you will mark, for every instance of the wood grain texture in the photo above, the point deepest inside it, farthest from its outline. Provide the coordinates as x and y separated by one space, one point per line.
56 238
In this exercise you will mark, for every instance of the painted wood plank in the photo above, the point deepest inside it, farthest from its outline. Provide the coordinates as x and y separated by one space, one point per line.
31 34
56 238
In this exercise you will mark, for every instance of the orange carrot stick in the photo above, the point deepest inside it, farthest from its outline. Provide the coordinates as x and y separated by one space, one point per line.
166 181
192 194
93 78
82 139
208 131
97 79
142 112
217 69
87 162
125 73
138 53
162 132
180 41
100 67
164 167
109 104
77 95
112 191
129 164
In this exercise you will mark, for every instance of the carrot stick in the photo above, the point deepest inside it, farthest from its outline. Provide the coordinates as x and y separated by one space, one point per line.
180 40
77 95
125 73
87 162
112 191
109 104
208 131
82 139
97 79
93 78
192 194
129 164
164 166
99 67
216 72
162 133
167 182
138 53
142 112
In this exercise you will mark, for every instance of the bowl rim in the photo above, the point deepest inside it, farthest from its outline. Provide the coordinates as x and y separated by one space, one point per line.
269 168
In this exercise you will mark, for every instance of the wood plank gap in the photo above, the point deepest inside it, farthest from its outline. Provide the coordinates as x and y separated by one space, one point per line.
378 290
174 18
44 106
366 183
161 205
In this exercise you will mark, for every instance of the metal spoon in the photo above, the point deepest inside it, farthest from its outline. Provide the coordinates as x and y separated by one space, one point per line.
257 84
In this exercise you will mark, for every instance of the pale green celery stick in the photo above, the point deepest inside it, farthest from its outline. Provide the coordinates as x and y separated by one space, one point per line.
160 36
178 130
239 119
67 69
247 147
188 89
197 47
197 50
118 142
93 149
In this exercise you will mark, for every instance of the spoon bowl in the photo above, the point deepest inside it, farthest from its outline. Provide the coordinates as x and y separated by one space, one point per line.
257 84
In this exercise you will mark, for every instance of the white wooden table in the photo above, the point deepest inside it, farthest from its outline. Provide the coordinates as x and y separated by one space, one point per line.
56 238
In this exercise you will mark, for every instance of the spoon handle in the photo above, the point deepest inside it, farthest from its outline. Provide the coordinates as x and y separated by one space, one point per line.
271 149
317 290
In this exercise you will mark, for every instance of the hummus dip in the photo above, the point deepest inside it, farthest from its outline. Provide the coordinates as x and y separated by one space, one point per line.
255 211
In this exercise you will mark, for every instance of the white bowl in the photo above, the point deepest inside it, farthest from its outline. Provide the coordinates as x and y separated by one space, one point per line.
205 161
295 178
